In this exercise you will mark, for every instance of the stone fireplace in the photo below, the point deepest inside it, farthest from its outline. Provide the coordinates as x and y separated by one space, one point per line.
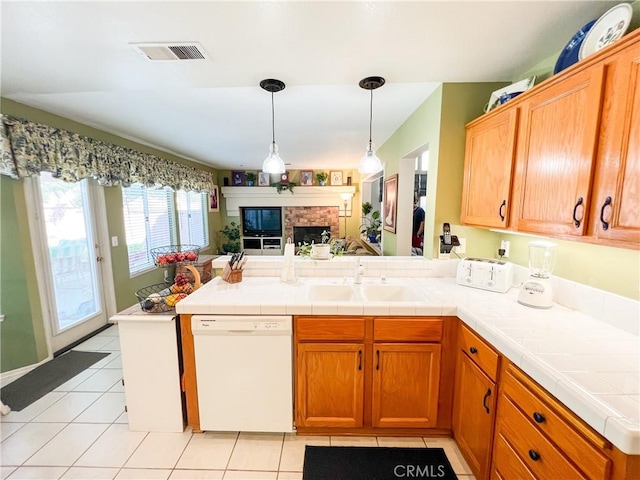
310 222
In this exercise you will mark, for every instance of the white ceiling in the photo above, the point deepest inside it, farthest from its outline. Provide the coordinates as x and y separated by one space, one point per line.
75 59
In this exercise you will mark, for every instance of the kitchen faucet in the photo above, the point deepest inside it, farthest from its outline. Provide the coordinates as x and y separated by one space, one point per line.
357 275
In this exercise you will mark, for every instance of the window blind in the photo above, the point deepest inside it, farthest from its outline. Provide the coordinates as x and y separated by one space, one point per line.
149 219
193 218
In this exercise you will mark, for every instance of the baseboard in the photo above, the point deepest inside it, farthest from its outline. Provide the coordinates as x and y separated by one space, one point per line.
7 377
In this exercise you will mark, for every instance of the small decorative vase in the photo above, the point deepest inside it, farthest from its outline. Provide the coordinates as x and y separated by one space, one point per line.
373 239
249 183
323 183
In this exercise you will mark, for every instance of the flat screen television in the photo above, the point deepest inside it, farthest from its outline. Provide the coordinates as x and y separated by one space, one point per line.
261 221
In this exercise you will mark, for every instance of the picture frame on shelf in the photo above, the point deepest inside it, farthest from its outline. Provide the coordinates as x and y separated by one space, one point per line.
390 203
214 199
264 179
306 178
237 178
283 179
335 177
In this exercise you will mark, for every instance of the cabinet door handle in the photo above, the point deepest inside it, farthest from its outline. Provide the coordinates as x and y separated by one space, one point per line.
535 456
359 359
538 417
605 224
484 400
377 359
576 222
502 205
473 350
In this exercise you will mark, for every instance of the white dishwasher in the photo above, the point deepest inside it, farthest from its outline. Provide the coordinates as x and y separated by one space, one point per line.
244 372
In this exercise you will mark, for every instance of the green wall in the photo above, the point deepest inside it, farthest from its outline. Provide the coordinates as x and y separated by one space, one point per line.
22 334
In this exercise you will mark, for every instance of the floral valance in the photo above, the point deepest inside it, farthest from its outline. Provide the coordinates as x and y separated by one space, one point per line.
28 148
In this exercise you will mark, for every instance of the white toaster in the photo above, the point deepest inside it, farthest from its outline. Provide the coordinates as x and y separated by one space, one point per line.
485 273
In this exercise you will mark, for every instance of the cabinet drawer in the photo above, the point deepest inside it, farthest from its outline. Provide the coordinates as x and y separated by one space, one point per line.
533 449
479 351
407 329
329 328
506 462
557 424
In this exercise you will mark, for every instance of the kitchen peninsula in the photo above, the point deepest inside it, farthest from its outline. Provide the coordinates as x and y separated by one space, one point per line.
582 367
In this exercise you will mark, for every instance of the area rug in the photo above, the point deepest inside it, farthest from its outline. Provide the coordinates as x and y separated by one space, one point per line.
375 463
38 382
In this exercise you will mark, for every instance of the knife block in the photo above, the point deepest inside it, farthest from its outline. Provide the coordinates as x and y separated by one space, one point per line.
235 276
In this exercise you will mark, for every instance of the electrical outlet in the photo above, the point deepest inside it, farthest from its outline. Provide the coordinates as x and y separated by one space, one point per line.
1 318
504 245
114 241
462 248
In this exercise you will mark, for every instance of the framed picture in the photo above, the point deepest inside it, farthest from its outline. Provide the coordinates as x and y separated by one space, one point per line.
335 178
284 178
237 179
214 205
390 203
306 177
264 179
505 94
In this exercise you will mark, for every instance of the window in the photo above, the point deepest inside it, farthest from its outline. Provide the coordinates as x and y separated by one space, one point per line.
149 222
193 218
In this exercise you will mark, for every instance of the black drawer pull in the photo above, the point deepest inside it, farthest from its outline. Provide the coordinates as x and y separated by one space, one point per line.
484 400
377 359
359 359
576 222
473 350
535 456
538 417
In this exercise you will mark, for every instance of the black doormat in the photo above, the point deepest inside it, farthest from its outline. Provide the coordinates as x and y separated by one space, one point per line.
38 382
375 463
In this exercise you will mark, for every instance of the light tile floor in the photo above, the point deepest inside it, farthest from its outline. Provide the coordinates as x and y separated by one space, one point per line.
79 431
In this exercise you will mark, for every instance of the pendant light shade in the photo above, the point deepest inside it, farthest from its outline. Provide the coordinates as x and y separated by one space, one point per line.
273 163
370 163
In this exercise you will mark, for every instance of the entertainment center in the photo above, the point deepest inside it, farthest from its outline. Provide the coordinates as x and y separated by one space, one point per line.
261 230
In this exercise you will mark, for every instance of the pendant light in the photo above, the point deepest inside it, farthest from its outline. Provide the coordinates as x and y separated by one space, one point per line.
370 163
273 163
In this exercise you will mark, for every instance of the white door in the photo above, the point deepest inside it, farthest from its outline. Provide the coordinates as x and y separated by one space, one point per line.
69 259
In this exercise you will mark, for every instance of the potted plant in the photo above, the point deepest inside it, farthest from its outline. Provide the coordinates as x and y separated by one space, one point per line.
322 250
232 234
250 177
372 224
322 177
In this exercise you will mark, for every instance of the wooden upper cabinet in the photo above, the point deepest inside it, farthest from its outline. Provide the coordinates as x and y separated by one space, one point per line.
488 168
556 152
406 379
329 384
615 209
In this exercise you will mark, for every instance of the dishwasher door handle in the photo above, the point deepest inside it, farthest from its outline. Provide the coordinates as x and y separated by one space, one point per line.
240 331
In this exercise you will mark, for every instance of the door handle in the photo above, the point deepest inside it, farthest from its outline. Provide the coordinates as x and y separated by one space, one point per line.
605 224
502 205
359 359
99 259
576 222
377 359
484 400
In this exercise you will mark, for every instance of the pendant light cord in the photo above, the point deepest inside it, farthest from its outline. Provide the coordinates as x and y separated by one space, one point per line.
273 121
370 114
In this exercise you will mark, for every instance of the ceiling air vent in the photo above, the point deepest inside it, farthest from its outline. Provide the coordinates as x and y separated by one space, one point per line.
171 51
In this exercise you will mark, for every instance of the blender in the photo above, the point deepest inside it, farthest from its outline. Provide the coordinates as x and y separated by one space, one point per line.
537 292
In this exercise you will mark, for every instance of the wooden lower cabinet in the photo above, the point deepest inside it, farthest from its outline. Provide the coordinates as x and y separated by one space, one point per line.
329 384
405 385
474 414
380 374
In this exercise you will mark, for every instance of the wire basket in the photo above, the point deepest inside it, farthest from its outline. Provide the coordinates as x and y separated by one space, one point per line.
172 254
158 298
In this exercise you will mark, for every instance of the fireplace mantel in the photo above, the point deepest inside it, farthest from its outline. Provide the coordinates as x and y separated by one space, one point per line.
236 197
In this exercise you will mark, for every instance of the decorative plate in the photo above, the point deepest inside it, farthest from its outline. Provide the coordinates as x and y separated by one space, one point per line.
609 28
569 55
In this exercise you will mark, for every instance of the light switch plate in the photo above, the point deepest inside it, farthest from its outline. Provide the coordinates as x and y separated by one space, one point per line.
114 241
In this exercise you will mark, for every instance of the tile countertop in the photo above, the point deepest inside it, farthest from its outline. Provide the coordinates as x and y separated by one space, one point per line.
589 365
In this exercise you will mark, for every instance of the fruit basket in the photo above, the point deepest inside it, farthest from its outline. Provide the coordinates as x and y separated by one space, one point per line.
172 254
161 297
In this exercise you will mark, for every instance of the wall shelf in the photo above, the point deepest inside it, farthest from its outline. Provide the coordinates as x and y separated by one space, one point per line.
236 197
